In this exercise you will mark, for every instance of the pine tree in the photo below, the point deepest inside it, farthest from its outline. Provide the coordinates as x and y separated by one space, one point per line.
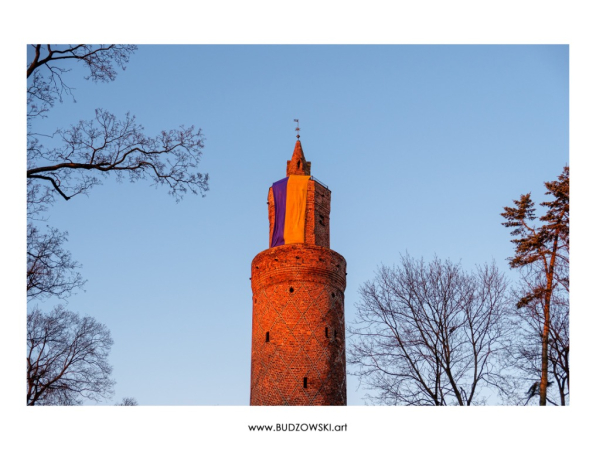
542 252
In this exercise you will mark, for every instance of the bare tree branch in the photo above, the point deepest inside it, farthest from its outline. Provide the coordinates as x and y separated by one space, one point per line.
108 145
66 358
525 350
128 401
50 269
46 70
429 334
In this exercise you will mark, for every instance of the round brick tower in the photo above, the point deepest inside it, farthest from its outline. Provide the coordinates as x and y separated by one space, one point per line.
298 326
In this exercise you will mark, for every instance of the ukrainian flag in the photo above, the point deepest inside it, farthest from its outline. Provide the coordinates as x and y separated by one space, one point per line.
289 196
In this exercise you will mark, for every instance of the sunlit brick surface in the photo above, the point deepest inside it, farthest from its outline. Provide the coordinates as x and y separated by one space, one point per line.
298 332
298 298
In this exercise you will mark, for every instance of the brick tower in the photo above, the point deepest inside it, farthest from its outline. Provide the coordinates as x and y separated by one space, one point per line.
298 331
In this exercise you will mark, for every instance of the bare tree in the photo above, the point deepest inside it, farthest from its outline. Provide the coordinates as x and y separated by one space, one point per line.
88 151
525 351
105 144
559 348
128 401
67 163
51 270
430 333
66 358
46 69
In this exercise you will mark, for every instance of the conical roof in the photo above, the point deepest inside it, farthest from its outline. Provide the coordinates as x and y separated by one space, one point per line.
298 165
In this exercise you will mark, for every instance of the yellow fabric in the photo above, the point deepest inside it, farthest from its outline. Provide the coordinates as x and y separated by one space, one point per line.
296 209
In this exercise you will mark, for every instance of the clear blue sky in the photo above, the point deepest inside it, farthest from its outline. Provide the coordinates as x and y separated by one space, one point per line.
421 146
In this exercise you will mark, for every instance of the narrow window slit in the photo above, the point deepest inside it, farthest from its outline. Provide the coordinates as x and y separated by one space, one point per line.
305 382
267 337
326 332
291 289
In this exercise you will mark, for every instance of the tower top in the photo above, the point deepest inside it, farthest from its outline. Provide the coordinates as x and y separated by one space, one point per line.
298 165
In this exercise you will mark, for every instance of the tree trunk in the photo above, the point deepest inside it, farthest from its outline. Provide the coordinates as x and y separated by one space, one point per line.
546 332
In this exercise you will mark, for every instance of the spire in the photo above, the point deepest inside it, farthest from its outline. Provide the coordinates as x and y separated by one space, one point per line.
298 165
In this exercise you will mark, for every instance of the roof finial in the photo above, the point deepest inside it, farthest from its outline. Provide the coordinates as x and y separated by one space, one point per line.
297 128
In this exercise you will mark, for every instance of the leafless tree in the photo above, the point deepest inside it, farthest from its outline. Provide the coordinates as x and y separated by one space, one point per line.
48 66
51 270
107 145
525 351
67 163
430 333
128 401
66 358
559 349
104 145
88 151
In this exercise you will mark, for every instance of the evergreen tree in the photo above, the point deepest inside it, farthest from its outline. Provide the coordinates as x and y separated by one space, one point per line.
542 253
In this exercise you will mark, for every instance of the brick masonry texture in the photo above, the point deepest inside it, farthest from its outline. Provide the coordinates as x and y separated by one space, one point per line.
298 325
298 302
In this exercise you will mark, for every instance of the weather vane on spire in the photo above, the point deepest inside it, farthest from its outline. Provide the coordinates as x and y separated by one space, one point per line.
297 128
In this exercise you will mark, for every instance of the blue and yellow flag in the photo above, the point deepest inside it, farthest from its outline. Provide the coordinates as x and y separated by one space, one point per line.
289 196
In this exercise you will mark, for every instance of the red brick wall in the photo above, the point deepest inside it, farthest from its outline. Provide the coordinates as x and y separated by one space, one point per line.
318 208
298 298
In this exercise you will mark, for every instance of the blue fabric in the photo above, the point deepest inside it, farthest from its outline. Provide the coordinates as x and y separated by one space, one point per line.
280 189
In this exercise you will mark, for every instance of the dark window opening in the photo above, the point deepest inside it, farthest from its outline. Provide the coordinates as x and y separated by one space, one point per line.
267 337
333 295
326 332
305 382
291 289
299 164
